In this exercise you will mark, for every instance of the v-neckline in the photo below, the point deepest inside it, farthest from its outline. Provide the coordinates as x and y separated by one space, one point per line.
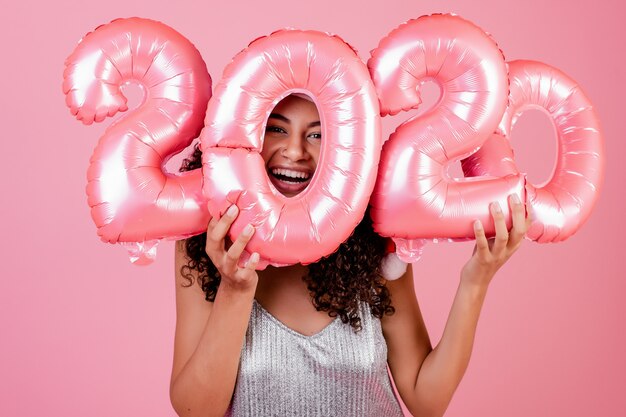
289 329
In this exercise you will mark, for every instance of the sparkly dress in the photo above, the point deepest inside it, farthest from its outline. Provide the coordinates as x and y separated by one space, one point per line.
335 372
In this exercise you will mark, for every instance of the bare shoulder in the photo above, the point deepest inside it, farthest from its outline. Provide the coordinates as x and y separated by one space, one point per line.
192 310
188 291
404 300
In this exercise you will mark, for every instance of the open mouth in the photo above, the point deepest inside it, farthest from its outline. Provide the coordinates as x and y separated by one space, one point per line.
289 182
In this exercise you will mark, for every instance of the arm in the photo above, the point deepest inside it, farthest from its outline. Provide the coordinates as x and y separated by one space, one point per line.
209 336
427 378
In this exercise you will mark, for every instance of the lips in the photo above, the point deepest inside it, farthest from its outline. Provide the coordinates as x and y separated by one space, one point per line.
290 181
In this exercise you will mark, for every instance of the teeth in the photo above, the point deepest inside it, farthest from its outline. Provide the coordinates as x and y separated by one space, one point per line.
290 173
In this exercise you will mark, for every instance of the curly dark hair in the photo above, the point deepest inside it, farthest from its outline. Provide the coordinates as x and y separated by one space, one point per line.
336 282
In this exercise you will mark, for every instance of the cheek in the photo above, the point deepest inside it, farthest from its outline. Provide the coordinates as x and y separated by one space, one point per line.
269 148
266 156
315 153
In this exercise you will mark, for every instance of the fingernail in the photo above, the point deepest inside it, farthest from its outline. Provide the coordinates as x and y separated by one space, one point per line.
254 257
478 225
496 207
232 210
515 198
248 230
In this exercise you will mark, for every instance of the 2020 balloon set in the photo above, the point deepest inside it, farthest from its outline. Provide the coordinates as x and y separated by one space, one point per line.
134 201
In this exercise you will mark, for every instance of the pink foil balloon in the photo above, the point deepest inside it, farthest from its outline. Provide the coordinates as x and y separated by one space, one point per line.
313 223
414 198
132 198
563 203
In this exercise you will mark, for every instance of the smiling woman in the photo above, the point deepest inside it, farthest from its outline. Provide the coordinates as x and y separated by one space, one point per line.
291 146
256 341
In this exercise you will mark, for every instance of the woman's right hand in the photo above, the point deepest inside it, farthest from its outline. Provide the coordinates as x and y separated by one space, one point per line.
227 260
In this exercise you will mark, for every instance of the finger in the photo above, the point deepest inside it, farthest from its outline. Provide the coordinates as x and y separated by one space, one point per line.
218 228
234 252
252 262
482 245
248 272
518 218
212 224
502 234
530 216
211 246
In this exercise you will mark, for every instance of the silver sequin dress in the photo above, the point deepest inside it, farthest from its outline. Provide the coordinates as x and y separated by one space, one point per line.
335 372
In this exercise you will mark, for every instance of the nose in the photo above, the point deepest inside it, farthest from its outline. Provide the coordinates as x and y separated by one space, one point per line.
295 148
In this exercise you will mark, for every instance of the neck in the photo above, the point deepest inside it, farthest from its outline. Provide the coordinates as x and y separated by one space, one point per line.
282 280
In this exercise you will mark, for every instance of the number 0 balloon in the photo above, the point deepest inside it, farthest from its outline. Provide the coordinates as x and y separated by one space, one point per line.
563 203
312 224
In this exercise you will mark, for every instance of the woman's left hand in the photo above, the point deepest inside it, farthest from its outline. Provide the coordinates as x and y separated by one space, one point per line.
490 254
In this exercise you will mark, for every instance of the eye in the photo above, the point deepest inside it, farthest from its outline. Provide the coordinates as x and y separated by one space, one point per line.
274 129
315 135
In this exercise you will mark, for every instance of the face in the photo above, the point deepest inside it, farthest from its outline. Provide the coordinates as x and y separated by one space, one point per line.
291 147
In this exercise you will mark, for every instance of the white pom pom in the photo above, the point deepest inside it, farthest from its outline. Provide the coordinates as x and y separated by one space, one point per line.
392 267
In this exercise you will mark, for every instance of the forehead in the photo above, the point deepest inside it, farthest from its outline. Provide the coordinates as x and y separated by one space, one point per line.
296 105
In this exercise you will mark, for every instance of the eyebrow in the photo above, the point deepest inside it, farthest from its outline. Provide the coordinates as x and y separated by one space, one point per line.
286 120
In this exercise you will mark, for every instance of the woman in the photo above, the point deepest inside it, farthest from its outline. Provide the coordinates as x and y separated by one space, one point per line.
316 340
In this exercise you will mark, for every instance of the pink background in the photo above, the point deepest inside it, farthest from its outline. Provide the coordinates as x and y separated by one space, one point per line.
85 333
